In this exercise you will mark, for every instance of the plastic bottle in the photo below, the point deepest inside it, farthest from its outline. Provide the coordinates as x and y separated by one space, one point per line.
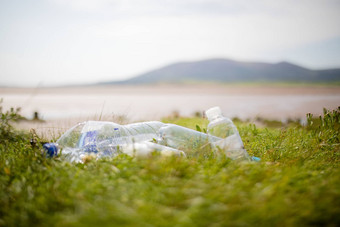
185 139
109 139
230 141
102 139
145 148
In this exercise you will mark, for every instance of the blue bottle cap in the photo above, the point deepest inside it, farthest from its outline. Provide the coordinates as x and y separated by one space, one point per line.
51 149
255 159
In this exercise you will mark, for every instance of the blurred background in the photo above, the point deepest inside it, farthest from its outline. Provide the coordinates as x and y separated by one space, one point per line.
146 59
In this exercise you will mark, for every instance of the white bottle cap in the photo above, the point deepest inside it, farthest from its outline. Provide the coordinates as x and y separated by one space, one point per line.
213 112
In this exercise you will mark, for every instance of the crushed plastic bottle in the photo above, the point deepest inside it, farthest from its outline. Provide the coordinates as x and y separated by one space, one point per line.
230 141
182 138
108 139
190 141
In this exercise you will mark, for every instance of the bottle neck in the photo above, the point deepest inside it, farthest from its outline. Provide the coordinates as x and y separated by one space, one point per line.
216 117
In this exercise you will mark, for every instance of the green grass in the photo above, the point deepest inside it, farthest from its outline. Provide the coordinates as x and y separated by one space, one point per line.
297 183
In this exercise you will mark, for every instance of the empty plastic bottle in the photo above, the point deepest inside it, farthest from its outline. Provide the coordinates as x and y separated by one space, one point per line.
109 139
185 139
230 141
102 139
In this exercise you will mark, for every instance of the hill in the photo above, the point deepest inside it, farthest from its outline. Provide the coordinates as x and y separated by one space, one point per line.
224 70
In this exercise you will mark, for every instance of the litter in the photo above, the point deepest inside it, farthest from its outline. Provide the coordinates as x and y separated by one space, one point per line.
108 139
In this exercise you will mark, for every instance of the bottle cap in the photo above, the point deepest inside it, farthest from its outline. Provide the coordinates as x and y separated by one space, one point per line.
213 112
51 149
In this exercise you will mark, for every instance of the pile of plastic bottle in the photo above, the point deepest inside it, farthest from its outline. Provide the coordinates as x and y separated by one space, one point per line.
107 139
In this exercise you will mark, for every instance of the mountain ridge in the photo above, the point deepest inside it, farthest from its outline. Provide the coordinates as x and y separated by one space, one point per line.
226 70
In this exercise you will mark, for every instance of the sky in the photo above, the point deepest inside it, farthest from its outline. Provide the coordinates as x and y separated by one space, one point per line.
60 42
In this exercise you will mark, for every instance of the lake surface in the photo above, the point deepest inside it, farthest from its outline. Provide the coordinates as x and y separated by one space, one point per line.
153 103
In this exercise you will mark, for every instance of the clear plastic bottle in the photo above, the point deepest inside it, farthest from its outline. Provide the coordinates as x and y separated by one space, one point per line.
185 139
101 139
230 141
145 148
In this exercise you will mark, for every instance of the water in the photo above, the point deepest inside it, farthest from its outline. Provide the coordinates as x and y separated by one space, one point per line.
153 105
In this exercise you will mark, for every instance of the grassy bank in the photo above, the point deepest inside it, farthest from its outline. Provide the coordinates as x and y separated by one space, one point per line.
296 183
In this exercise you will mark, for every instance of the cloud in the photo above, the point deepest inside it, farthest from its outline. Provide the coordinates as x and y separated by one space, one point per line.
112 39
283 26
86 5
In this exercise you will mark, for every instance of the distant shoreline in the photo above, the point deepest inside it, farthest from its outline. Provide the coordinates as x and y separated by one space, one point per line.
247 89
62 107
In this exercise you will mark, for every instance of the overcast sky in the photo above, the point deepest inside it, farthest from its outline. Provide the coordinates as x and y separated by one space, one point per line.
57 42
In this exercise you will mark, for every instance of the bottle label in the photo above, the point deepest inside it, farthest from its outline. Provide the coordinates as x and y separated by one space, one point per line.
117 139
88 141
